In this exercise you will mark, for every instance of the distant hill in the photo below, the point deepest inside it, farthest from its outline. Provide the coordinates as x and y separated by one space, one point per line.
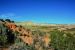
29 24
24 23
34 24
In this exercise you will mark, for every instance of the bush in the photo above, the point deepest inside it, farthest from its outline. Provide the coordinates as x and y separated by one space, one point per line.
21 46
3 40
62 41
6 36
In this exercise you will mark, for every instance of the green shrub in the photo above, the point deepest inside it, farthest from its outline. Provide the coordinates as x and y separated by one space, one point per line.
21 46
3 40
62 41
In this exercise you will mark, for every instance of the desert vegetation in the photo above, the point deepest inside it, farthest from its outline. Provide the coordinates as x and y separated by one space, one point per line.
18 37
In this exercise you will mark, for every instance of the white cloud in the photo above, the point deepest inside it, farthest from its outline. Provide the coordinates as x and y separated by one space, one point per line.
11 16
8 15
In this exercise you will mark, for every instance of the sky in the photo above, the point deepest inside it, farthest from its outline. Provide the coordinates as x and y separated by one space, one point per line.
39 11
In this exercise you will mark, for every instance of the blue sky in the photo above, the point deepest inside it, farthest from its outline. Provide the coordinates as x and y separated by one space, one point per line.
39 11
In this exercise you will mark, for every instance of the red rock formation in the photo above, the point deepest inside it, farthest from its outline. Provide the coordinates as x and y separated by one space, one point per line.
26 35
